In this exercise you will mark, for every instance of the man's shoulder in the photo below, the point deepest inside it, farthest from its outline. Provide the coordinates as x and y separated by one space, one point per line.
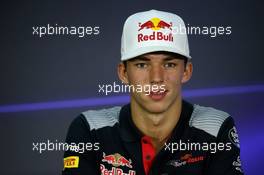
208 119
103 117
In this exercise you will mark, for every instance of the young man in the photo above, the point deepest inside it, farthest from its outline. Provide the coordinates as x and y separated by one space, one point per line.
158 133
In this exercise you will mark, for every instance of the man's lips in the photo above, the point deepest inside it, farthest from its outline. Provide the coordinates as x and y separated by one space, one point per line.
157 95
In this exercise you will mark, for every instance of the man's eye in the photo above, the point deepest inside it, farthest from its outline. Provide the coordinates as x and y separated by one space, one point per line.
141 65
170 65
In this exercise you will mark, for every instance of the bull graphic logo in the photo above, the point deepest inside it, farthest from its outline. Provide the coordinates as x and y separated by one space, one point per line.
117 160
155 24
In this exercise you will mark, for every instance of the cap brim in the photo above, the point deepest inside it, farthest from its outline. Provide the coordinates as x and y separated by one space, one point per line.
145 50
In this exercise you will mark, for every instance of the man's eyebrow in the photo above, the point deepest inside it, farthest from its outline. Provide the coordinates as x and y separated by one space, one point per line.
143 58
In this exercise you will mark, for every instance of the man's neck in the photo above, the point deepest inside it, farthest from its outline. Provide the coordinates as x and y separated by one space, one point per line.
157 126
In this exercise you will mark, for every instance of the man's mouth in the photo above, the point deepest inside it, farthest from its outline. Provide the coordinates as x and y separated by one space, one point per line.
157 96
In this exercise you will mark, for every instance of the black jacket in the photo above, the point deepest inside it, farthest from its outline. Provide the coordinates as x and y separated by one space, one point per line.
107 142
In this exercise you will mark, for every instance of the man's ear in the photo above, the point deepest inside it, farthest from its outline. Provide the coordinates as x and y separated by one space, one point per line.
187 72
122 73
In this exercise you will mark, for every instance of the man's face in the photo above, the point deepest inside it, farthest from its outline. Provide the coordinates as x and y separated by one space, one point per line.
153 70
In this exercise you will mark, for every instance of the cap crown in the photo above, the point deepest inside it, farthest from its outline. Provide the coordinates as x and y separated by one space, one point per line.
151 31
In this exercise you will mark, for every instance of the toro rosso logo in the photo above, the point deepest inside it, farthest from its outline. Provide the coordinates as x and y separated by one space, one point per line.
117 160
155 24
186 159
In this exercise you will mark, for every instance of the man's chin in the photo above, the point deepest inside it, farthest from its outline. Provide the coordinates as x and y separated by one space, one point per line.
156 108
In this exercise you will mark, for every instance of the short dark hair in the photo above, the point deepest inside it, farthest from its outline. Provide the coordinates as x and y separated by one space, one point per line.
175 55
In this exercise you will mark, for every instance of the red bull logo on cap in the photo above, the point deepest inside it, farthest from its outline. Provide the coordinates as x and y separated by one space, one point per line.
117 160
155 24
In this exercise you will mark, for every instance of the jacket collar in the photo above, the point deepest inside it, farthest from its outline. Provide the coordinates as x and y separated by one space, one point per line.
130 133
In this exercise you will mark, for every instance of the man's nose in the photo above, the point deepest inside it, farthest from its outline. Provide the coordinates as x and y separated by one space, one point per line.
156 75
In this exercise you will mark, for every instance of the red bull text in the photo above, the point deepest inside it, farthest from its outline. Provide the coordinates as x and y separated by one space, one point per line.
115 171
